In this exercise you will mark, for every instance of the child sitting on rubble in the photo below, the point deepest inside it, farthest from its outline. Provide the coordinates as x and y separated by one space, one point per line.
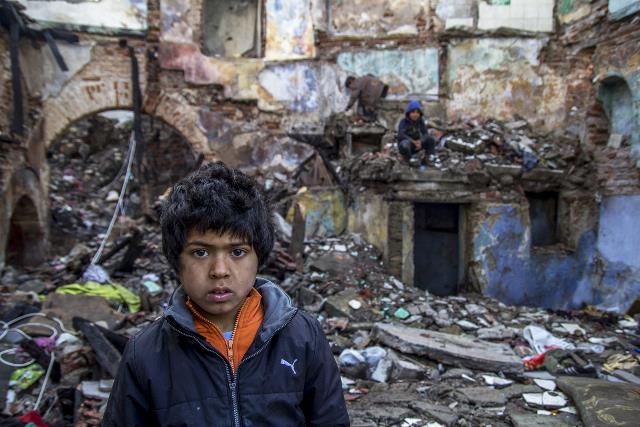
230 349
412 133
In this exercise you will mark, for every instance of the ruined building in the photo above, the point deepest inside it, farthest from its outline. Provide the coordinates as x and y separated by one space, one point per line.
251 82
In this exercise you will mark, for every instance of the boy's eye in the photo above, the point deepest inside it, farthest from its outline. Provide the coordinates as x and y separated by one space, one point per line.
238 252
200 253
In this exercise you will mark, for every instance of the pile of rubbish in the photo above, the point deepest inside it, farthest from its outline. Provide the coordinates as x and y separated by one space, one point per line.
479 149
412 358
407 357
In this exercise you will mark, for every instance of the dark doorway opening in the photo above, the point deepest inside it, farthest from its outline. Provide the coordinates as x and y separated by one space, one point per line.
25 242
543 215
436 252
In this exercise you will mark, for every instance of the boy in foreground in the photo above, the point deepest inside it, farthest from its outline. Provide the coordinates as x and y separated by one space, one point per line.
230 350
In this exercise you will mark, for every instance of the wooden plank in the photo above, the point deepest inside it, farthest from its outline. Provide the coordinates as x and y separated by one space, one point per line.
296 247
106 354
449 349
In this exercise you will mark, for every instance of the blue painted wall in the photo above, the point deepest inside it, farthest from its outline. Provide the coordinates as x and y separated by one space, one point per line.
621 8
602 271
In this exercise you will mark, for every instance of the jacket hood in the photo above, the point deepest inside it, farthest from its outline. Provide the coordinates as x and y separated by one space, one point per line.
413 105
278 309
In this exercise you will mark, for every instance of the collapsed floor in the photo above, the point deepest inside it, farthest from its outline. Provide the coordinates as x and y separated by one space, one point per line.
407 356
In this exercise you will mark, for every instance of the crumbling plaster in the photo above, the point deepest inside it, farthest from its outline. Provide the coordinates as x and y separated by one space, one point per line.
505 76
370 18
100 16
620 9
289 32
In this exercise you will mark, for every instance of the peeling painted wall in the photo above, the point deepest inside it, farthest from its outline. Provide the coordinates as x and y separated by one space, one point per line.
619 231
43 76
506 268
372 18
529 15
502 78
622 8
302 87
289 30
603 270
174 20
229 27
409 73
325 211
368 216
456 13
105 15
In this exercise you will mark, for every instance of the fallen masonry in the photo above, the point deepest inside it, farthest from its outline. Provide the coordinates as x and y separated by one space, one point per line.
449 349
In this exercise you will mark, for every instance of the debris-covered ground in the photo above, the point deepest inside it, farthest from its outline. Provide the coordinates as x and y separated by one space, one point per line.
406 357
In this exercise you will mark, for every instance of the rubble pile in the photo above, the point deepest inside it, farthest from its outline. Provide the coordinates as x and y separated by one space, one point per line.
86 167
514 143
407 357
411 358
471 147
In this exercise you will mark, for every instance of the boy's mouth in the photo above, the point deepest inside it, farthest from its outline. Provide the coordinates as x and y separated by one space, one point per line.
219 295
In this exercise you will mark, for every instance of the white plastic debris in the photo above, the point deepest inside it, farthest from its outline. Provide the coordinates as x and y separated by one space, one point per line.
627 324
346 382
355 304
382 371
373 355
467 326
113 196
468 378
548 399
340 248
350 357
541 340
573 328
545 384
496 381
398 284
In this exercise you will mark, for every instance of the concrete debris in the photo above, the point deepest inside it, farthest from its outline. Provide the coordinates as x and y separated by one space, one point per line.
449 349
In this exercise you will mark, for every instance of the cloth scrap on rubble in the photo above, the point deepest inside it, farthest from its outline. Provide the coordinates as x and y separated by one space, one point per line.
110 291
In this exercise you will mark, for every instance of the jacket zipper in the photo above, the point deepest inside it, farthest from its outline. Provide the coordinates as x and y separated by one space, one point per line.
228 371
231 373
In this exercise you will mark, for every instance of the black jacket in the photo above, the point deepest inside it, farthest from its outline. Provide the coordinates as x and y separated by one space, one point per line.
170 375
410 129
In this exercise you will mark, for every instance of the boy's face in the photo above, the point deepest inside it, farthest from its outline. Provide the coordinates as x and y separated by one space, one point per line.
414 115
217 272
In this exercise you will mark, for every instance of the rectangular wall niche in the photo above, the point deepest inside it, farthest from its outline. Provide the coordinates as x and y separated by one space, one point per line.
436 253
543 215
231 28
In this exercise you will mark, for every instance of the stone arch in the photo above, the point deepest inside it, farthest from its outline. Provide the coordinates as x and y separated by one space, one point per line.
26 245
86 163
616 98
25 241
92 90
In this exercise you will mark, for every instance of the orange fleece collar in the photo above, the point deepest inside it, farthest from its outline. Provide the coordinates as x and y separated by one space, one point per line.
248 322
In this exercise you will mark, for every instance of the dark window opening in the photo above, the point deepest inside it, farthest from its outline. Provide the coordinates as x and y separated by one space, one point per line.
617 101
231 28
543 215
436 252
25 242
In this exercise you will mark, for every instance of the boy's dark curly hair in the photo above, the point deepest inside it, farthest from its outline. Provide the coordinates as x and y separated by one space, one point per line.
216 197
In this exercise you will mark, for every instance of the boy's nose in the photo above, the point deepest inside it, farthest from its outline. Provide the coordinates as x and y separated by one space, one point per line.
219 267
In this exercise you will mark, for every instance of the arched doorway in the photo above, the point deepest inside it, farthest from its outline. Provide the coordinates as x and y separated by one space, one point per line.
617 101
25 242
87 166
